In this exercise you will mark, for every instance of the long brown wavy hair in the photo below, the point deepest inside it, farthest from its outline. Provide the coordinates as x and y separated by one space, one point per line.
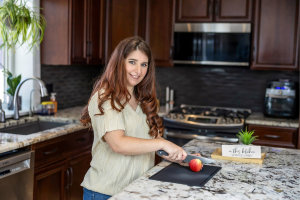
114 84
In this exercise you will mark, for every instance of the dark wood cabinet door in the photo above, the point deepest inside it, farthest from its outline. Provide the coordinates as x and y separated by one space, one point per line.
96 31
78 167
275 136
159 30
78 31
55 45
194 10
233 10
123 21
50 182
276 35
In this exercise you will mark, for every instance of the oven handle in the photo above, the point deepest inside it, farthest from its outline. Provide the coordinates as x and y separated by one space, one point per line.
280 97
201 137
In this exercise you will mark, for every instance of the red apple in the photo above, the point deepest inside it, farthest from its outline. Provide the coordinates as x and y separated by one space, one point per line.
196 165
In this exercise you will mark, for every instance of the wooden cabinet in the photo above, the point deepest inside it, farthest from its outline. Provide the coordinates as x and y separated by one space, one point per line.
50 182
194 10
276 35
74 33
96 32
159 30
233 10
214 10
60 166
78 166
124 19
79 26
150 19
275 136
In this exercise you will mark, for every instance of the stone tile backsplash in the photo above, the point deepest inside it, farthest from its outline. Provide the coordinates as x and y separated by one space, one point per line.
237 87
73 84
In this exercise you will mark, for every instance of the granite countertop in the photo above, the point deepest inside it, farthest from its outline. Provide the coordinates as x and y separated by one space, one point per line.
10 141
277 178
258 118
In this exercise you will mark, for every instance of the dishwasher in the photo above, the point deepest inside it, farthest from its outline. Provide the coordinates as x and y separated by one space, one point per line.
16 174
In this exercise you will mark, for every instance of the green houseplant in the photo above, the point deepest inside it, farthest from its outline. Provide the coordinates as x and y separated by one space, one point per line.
13 83
246 137
19 24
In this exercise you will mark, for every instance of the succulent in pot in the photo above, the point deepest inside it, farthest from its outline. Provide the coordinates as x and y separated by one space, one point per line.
19 24
245 137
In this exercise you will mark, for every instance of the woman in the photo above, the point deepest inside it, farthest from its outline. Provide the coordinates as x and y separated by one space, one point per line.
123 113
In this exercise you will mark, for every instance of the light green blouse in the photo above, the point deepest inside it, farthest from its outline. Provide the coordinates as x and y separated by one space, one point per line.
110 172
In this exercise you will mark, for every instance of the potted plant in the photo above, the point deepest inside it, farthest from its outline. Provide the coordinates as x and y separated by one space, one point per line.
245 137
13 83
19 24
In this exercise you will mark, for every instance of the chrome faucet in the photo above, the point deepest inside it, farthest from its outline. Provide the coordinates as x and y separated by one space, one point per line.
43 89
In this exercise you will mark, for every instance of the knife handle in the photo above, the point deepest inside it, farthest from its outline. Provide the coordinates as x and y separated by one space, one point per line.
162 153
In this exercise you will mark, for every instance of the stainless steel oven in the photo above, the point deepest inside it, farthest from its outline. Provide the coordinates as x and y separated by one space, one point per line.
204 123
16 174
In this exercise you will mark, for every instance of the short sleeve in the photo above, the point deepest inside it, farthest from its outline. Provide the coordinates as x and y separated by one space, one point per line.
111 120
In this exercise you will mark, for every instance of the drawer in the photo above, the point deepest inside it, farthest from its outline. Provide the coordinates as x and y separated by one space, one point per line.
62 147
81 140
275 136
51 151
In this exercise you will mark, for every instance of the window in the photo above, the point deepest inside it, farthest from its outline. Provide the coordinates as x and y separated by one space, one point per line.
2 83
2 79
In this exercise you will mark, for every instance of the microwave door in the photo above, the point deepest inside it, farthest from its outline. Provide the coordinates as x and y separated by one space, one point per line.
211 48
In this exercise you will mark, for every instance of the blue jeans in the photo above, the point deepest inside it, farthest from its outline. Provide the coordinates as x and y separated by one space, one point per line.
91 195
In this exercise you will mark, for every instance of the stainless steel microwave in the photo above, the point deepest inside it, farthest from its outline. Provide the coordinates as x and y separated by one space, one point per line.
212 43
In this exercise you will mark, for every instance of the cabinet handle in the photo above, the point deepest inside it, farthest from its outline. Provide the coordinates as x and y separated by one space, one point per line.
68 175
87 49
209 9
71 179
217 8
79 141
50 152
91 49
253 54
272 136
171 52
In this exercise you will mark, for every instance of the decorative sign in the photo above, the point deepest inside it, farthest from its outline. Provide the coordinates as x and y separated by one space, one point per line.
241 151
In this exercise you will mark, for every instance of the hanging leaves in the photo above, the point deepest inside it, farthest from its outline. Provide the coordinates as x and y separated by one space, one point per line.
19 24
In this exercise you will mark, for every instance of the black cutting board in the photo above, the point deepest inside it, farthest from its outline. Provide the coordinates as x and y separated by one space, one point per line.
176 173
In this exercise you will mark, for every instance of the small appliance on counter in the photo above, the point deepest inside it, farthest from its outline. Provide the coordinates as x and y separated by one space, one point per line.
281 99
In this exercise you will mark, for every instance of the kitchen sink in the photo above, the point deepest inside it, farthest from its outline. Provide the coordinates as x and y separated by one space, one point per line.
32 127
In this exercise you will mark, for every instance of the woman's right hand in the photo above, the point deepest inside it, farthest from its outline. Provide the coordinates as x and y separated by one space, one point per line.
175 152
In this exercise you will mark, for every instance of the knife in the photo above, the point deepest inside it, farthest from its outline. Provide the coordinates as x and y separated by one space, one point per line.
188 157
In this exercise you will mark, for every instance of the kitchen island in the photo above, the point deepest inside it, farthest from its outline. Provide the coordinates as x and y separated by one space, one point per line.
277 178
